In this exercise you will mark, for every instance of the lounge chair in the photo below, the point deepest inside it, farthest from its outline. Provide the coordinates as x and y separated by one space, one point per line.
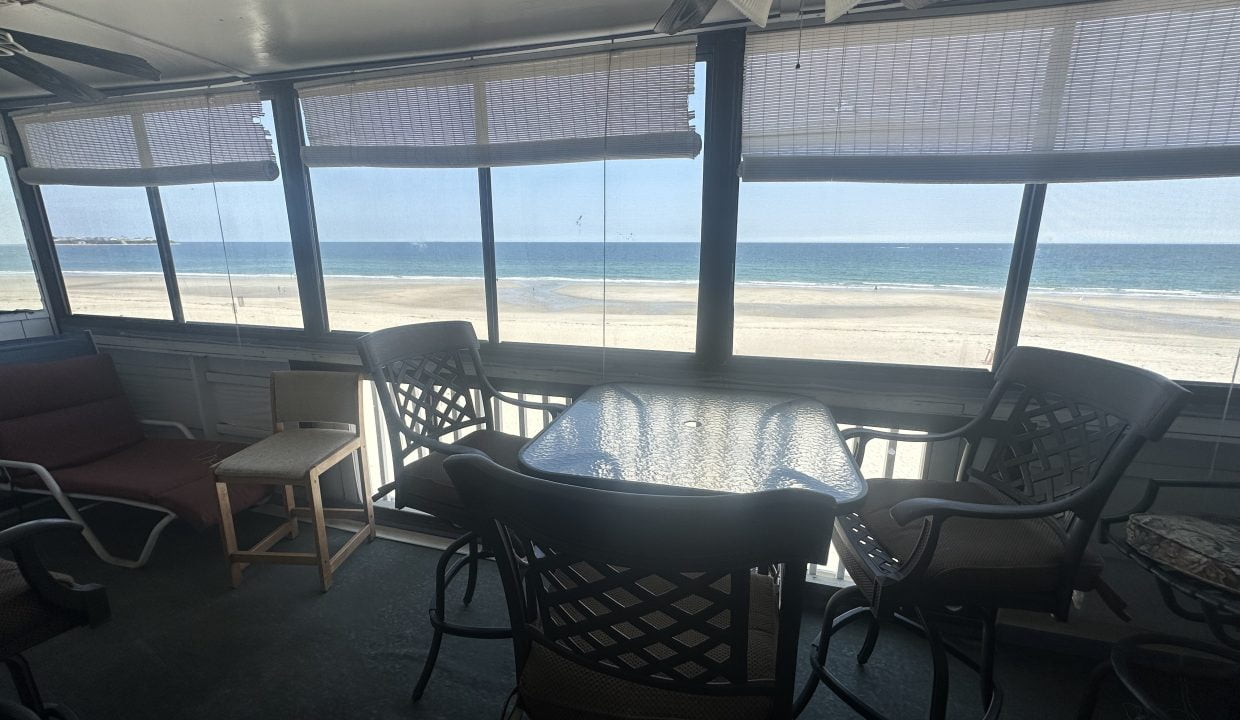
67 430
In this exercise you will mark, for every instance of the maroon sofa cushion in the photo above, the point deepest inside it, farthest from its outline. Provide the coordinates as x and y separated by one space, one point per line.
72 417
172 473
64 413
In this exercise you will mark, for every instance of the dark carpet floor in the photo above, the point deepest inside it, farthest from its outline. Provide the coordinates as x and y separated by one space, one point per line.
182 644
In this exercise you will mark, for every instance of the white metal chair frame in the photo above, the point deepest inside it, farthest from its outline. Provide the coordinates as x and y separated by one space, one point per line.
52 488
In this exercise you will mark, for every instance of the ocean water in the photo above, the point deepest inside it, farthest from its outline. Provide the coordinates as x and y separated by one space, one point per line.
1109 268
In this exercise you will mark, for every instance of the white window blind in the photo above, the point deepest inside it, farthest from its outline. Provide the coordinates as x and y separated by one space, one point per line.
172 140
1125 89
618 104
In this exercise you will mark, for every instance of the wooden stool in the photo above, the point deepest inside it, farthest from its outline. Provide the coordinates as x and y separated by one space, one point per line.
317 421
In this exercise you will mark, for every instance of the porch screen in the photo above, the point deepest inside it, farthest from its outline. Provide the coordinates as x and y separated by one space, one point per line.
1121 89
171 140
618 104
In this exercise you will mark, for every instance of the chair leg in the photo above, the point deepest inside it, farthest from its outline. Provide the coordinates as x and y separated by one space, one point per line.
359 472
437 614
228 534
471 580
938 656
835 606
987 664
871 639
320 533
23 680
289 504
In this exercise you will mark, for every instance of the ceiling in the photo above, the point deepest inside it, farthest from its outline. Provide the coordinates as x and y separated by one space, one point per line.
208 39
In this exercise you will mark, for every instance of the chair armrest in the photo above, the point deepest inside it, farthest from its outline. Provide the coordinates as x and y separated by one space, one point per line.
934 512
1150 495
48 481
909 510
437 445
169 423
553 408
89 602
867 434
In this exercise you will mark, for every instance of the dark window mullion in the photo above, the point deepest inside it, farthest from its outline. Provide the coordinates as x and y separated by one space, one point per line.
164 244
716 312
46 261
487 214
299 199
1019 272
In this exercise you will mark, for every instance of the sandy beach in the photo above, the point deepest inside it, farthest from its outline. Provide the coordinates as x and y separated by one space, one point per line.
1189 338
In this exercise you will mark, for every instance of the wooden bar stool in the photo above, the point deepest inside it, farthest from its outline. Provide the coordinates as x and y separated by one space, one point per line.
316 418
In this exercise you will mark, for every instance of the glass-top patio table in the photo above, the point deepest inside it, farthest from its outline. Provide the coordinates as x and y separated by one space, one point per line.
668 439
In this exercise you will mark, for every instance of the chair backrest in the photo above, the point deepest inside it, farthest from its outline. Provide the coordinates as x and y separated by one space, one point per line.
315 396
423 374
1063 427
64 412
654 589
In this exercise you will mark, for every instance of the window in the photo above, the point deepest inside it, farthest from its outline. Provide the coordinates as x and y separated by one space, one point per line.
909 274
232 253
101 165
400 245
1146 273
231 249
595 194
601 253
106 246
19 289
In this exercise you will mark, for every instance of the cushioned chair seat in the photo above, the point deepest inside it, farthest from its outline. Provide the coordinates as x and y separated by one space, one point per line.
24 620
286 455
975 560
169 472
424 485
556 688
1205 548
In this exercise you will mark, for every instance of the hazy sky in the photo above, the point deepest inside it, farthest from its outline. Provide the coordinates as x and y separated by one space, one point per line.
644 200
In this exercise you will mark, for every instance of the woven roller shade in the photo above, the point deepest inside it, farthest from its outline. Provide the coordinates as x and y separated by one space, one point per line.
1125 89
173 140
619 104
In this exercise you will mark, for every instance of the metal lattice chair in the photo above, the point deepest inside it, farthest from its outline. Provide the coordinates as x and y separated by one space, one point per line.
426 375
1040 460
637 605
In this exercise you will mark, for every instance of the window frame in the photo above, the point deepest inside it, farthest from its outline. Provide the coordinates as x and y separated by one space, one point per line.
11 170
723 52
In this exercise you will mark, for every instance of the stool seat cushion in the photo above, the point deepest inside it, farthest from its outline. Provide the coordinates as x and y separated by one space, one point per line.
1206 548
424 485
974 558
287 455
173 473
